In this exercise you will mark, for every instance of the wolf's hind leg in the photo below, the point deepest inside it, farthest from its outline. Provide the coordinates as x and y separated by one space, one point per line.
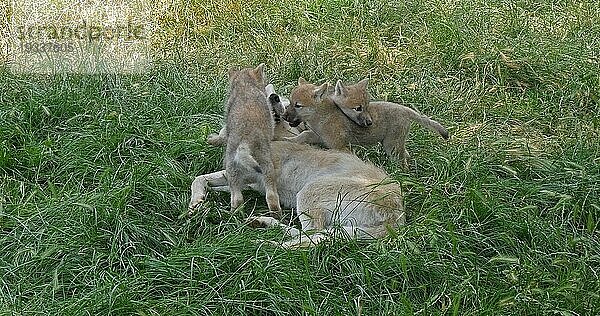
268 221
271 195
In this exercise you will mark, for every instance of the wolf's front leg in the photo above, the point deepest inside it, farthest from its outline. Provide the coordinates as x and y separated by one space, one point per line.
306 137
216 181
218 140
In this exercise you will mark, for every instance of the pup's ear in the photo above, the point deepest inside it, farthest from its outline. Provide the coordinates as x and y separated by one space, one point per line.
340 89
259 72
363 83
319 92
231 72
302 81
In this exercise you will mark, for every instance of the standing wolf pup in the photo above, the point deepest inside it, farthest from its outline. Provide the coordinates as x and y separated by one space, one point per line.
248 133
281 129
345 116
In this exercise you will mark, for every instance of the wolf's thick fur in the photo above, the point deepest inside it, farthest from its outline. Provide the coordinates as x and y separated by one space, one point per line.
248 135
353 101
330 127
281 129
327 188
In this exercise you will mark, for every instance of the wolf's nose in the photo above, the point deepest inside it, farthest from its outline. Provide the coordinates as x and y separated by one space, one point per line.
369 122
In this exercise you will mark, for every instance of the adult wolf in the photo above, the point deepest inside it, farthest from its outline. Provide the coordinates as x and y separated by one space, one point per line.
327 188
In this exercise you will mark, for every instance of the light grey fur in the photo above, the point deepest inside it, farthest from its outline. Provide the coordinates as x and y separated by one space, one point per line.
281 129
327 188
248 135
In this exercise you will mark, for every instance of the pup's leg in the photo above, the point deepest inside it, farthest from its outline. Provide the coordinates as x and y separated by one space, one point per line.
395 147
236 185
237 199
216 181
271 194
306 137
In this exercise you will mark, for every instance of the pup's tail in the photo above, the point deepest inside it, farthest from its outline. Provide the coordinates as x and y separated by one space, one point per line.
428 123
243 157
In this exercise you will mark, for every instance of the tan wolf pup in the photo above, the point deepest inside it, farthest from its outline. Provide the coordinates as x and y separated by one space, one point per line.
343 115
328 189
249 131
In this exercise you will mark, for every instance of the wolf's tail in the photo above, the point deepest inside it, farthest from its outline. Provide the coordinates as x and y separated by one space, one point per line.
345 232
428 123
243 157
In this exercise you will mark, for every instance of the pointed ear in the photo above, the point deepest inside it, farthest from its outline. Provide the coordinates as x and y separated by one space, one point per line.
340 89
269 89
302 81
231 72
259 71
363 83
319 92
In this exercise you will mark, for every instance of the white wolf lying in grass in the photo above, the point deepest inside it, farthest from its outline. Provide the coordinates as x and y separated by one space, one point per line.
327 188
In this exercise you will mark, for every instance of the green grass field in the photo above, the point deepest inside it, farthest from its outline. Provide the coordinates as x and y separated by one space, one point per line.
502 219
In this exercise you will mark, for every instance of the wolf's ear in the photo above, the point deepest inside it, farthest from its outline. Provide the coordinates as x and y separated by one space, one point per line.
259 72
340 89
363 83
302 81
231 72
319 93
269 89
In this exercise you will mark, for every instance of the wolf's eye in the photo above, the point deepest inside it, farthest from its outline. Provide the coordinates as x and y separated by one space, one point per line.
297 105
358 109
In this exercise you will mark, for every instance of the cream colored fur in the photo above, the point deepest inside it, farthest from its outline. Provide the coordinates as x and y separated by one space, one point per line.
327 188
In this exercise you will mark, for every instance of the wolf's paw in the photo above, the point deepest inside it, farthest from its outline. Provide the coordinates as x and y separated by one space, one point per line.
215 140
261 221
194 205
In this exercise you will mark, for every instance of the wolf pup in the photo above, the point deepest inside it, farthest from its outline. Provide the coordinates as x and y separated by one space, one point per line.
281 129
343 115
330 190
248 133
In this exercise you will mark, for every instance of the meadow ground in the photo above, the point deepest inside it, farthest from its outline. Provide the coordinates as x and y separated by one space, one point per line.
502 219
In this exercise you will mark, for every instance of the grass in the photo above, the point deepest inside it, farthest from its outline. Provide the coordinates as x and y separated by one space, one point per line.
503 218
